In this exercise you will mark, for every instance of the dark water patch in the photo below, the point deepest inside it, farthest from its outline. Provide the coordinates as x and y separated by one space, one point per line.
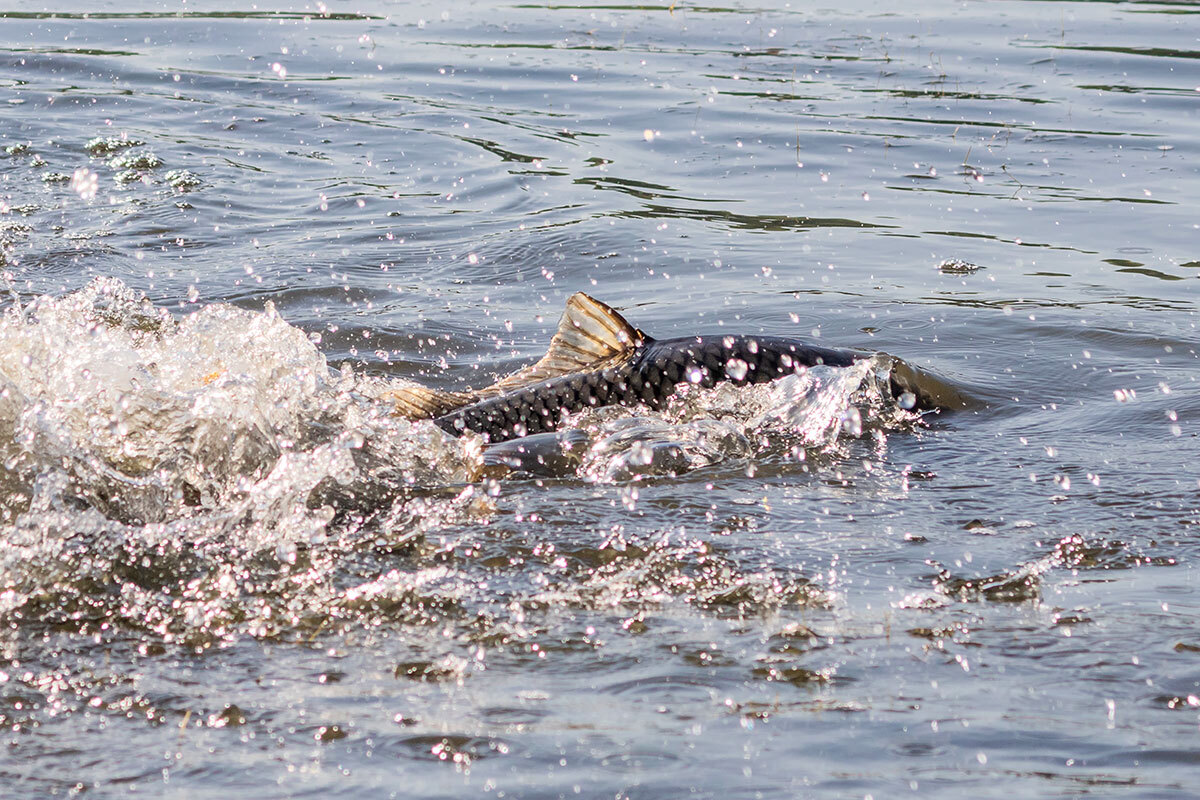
71 51
670 9
1157 52
942 93
1150 273
761 222
459 751
301 16
1037 131
642 190
1179 91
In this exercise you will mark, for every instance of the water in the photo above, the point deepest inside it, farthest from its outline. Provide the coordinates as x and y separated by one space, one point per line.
227 569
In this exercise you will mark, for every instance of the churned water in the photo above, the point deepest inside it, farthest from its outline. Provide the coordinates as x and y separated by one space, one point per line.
228 230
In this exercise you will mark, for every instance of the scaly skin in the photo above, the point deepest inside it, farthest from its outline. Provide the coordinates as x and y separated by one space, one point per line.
648 376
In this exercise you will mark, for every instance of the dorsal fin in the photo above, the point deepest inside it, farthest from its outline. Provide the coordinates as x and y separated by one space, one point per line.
590 336
414 401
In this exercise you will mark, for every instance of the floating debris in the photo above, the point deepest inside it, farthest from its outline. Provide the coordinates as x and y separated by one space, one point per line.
1016 586
107 145
19 228
956 266
129 176
19 149
139 161
183 180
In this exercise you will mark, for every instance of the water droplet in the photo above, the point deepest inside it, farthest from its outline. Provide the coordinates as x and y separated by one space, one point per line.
736 368
85 183
286 552
641 454
852 421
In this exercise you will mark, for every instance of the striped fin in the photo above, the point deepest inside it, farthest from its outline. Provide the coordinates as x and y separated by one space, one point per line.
414 401
590 336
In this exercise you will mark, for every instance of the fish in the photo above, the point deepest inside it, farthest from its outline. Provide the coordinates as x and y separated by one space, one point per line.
597 358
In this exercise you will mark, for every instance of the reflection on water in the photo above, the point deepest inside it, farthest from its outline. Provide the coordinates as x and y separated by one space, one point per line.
227 566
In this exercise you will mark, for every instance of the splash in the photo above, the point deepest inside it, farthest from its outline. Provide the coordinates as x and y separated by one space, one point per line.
206 477
810 412
109 403
181 474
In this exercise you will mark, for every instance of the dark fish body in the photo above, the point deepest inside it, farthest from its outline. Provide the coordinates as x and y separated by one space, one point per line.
648 377
597 358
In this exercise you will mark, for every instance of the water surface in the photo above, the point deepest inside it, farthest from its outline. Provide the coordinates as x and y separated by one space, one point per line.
228 569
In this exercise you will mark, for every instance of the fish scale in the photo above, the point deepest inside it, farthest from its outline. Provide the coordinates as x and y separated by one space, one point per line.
648 377
596 358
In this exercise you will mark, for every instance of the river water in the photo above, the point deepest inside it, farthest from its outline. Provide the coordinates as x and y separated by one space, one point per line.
226 569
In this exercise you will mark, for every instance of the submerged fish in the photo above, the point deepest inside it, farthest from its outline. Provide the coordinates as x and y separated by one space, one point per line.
596 358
